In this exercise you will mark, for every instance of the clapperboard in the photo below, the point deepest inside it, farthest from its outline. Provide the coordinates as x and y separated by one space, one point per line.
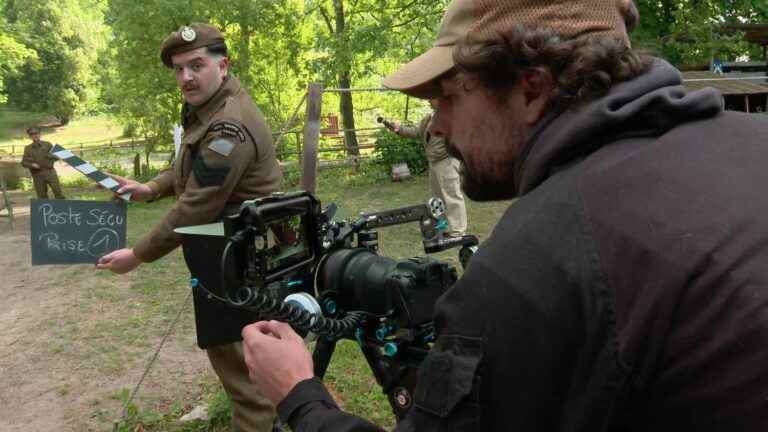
88 170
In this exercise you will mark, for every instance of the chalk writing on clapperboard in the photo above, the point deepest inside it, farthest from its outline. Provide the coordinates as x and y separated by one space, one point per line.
105 237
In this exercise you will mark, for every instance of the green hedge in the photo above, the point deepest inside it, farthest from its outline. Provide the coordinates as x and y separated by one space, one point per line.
392 149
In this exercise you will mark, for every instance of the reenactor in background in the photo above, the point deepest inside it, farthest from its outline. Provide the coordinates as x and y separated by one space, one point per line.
226 157
39 160
444 177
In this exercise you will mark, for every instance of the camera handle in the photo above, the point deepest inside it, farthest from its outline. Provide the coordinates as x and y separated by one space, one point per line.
388 124
429 220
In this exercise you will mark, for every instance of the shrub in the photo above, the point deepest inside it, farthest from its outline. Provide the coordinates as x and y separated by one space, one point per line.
392 149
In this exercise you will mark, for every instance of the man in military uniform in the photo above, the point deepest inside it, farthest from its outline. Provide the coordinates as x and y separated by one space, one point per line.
444 177
39 161
226 157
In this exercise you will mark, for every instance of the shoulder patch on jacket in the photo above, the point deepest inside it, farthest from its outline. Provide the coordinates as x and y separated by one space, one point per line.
221 146
207 175
228 129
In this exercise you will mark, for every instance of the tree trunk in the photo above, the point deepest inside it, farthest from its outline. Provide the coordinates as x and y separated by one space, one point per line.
348 115
345 97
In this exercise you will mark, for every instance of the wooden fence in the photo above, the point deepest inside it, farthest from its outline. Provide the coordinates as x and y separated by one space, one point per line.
304 154
18 150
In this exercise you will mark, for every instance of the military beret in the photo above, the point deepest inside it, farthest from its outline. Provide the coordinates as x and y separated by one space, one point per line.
188 38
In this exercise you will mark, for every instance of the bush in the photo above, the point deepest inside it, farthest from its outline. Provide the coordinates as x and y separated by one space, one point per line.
113 167
131 130
21 183
393 149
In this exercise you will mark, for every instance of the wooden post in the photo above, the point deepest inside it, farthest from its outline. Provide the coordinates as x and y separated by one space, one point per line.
6 200
311 137
407 106
137 166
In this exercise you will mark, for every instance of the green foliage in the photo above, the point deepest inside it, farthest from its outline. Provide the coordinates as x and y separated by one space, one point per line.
691 33
392 149
66 36
13 55
13 125
264 52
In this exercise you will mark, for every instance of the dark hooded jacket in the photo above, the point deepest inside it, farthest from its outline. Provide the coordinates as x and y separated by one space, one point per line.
626 290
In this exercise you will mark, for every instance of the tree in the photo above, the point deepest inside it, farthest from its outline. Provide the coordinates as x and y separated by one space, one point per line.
359 32
690 33
66 35
13 55
264 44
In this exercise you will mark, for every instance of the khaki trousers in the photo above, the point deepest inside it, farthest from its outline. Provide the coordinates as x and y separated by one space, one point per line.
251 412
43 179
445 183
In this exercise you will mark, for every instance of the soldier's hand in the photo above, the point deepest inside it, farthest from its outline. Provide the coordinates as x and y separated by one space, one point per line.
396 127
119 261
276 358
139 191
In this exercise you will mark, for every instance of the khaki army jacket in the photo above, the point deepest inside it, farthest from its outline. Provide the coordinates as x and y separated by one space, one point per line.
434 146
38 153
226 157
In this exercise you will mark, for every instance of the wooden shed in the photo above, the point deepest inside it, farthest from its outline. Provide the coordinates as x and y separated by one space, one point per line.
746 91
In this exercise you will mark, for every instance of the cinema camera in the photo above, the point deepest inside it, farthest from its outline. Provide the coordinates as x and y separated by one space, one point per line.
291 262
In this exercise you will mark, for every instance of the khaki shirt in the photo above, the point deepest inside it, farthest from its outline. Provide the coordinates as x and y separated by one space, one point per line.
434 146
39 153
225 158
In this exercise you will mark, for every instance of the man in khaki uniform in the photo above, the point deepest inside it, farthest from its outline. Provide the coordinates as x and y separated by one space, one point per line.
226 157
39 161
444 178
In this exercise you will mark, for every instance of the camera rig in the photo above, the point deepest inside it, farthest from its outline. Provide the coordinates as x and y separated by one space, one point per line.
288 260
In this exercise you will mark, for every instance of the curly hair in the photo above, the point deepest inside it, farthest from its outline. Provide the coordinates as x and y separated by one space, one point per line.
582 68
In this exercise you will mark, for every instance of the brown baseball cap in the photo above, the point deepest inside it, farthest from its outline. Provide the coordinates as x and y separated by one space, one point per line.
485 20
188 38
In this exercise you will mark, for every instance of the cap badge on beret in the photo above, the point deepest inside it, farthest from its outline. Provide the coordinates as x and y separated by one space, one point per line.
188 34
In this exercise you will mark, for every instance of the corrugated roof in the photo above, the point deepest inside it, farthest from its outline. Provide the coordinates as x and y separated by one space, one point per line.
727 83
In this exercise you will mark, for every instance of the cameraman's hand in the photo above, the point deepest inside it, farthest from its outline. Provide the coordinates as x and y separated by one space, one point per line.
139 191
119 261
396 127
276 357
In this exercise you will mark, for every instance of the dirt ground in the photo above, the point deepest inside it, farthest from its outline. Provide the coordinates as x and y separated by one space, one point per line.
49 386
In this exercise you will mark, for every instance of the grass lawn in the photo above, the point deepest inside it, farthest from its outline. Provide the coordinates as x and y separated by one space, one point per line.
156 290
86 131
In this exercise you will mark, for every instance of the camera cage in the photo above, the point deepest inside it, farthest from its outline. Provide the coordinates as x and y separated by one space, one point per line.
286 259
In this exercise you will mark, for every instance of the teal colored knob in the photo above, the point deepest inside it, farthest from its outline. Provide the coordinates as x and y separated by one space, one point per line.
382 333
194 282
390 349
442 225
329 306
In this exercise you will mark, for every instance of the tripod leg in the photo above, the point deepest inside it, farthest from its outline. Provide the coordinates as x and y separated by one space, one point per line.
322 355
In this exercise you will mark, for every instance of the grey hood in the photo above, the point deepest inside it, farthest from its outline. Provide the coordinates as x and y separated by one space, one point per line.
648 105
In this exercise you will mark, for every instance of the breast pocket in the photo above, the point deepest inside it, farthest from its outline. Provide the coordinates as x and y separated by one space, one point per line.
448 394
